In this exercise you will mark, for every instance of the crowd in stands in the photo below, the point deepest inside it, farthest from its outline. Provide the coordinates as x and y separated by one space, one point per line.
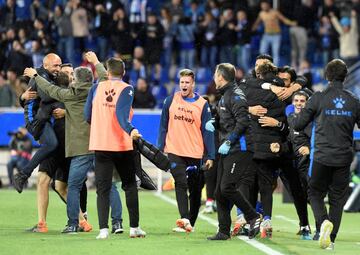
155 38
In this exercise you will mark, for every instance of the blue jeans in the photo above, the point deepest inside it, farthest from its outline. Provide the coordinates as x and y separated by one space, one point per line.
102 47
187 58
273 40
48 144
79 167
208 56
243 57
115 204
15 162
65 48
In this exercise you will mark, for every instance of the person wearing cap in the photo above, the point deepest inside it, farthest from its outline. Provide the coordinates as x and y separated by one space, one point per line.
348 37
184 137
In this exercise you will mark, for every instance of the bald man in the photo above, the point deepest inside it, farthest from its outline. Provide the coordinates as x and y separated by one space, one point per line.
37 114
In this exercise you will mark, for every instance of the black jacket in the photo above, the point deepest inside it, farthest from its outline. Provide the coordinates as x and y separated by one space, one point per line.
334 112
233 116
298 139
262 137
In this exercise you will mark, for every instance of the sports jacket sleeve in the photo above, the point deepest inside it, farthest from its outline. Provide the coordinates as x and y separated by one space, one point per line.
88 104
123 106
239 109
164 122
208 137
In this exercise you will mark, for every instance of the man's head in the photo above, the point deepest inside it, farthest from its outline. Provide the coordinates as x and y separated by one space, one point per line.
224 73
151 18
11 74
68 69
62 79
336 70
262 59
287 74
187 83
52 63
267 68
115 67
83 74
299 100
141 85
265 5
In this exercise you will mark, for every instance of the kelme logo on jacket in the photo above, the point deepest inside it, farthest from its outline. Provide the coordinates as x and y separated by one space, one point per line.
339 103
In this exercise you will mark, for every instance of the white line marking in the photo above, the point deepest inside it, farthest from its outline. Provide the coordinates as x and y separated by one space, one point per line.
296 223
262 247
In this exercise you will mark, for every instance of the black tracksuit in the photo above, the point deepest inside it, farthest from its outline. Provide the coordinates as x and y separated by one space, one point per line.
237 165
299 139
334 113
267 161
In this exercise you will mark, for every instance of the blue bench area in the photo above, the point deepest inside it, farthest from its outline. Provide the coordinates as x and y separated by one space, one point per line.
146 121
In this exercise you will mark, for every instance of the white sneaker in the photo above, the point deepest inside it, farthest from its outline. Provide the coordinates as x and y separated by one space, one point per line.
331 247
179 230
185 224
137 232
209 207
239 223
325 231
104 234
266 229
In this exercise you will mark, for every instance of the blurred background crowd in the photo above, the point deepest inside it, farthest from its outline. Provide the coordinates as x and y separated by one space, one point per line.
155 38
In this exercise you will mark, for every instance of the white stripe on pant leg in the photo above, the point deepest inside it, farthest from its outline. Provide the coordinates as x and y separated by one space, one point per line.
262 247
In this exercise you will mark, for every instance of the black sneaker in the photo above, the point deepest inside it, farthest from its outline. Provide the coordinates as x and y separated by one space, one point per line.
254 227
70 230
117 228
20 181
316 236
219 237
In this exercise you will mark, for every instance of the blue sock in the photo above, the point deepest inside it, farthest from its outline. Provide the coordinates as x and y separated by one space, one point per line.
259 208
267 217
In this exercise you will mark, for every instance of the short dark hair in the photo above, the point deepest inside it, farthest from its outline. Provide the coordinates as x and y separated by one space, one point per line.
265 56
267 68
289 70
336 70
116 67
83 74
227 71
62 80
301 93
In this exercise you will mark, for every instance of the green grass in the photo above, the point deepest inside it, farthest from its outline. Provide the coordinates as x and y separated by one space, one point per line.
157 218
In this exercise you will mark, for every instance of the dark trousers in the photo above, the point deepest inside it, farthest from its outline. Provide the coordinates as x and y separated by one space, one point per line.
233 169
266 176
194 182
331 181
48 144
124 165
83 197
210 179
15 162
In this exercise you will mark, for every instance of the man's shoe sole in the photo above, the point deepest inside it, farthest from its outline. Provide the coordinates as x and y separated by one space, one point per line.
325 231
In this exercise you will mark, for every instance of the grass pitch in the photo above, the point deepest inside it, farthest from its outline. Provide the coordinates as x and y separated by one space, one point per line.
157 218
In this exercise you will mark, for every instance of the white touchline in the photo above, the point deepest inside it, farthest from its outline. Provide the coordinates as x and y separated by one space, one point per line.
296 223
262 247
